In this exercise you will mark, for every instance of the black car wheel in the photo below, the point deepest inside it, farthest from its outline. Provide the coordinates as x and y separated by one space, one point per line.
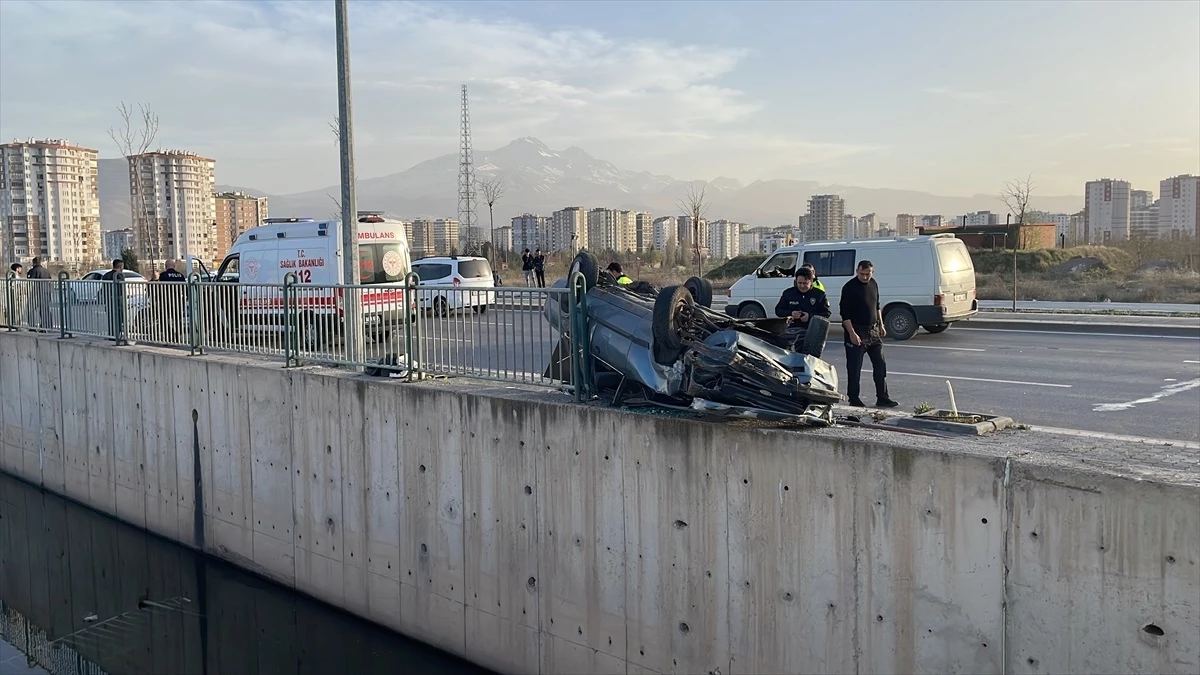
586 264
701 291
935 327
751 310
901 323
672 311
814 338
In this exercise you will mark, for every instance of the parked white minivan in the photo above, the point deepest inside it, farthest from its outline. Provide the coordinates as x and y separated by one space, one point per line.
262 257
925 281
462 272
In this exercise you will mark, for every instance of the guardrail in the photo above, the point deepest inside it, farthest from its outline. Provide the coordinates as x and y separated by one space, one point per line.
408 330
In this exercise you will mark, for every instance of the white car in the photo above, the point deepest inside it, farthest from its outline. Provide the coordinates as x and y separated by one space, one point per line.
89 292
467 273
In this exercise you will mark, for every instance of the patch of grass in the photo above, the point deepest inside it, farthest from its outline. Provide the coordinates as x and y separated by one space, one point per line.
922 408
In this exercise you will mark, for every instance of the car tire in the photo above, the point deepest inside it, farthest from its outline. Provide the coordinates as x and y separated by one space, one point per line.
751 310
900 322
314 334
441 307
936 328
586 264
701 291
481 309
672 308
815 337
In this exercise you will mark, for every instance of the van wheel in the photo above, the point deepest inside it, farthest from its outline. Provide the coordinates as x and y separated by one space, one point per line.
481 309
751 310
936 327
440 306
901 323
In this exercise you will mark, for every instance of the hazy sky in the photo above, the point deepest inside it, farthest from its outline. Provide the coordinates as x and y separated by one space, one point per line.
949 98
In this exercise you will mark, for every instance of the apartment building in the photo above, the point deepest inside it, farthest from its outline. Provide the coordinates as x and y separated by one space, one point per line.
931 221
1106 207
982 219
1140 199
826 218
685 235
236 213
749 240
174 205
446 236
49 204
115 242
421 242
906 225
865 227
612 230
644 226
724 239
568 229
1179 206
530 231
1143 222
664 230
504 238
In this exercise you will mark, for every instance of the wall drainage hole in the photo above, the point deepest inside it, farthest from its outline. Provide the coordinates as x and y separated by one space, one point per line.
1151 629
983 520
421 468
528 490
684 628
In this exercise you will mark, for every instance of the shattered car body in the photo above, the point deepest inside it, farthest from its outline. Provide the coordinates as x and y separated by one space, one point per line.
679 352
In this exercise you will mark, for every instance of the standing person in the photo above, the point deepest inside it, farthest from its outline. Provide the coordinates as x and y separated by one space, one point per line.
539 268
38 298
800 303
527 267
113 296
15 271
862 321
172 299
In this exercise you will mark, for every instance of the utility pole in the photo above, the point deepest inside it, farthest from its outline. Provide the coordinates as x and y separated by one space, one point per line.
353 325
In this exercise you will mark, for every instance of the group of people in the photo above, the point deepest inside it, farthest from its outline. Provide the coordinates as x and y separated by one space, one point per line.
534 266
862 324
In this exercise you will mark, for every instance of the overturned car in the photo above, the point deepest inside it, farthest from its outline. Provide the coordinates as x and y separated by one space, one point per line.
670 348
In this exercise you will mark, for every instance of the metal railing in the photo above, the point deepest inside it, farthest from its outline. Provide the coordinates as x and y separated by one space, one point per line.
410 330
53 655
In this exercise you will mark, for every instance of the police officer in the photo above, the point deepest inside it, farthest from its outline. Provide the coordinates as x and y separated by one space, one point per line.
614 268
801 302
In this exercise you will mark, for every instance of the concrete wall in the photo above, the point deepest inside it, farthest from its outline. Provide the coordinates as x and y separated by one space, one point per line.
531 535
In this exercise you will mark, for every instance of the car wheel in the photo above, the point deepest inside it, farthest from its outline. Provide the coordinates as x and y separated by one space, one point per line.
481 309
751 310
701 291
586 264
314 334
936 327
440 306
901 323
672 312
815 336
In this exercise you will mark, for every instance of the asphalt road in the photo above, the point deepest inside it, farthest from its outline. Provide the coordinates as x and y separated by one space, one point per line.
1131 385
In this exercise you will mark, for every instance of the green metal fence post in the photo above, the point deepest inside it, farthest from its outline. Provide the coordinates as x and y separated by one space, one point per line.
411 342
580 347
291 326
63 313
10 303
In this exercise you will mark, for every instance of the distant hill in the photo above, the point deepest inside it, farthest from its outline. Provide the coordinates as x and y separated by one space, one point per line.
542 180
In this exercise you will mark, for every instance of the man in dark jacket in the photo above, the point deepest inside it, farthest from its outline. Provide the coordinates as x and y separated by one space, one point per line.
862 321
40 295
112 295
801 302
539 268
171 300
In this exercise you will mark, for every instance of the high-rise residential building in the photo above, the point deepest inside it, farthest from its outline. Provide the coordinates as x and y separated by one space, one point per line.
446 239
504 238
530 231
724 239
1140 199
1179 206
982 219
1106 205
236 213
866 226
1143 222
422 241
906 225
749 240
932 221
1076 226
612 230
826 218
665 229
49 204
851 226
685 234
116 241
174 207
568 229
644 235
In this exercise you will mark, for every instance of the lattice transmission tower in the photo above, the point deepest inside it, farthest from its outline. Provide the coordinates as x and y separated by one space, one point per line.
466 181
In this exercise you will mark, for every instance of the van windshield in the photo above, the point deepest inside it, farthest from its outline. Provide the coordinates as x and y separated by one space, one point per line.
382 263
475 269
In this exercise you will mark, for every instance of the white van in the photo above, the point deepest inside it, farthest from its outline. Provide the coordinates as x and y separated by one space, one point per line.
926 281
462 271
262 257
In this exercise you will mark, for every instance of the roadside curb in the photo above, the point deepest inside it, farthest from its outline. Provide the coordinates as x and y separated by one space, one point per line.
1164 330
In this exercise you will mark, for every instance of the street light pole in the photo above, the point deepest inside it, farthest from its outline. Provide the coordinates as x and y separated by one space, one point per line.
352 302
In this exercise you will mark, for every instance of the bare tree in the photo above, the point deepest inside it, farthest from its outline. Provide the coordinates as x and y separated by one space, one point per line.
493 189
337 215
694 203
133 137
336 127
1016 197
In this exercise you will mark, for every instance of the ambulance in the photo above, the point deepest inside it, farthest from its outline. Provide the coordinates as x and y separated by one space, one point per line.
260 261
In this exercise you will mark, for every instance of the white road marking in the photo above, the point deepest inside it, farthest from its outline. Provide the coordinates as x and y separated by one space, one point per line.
1191 361
1169 390
977 379
953 349
1078 332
